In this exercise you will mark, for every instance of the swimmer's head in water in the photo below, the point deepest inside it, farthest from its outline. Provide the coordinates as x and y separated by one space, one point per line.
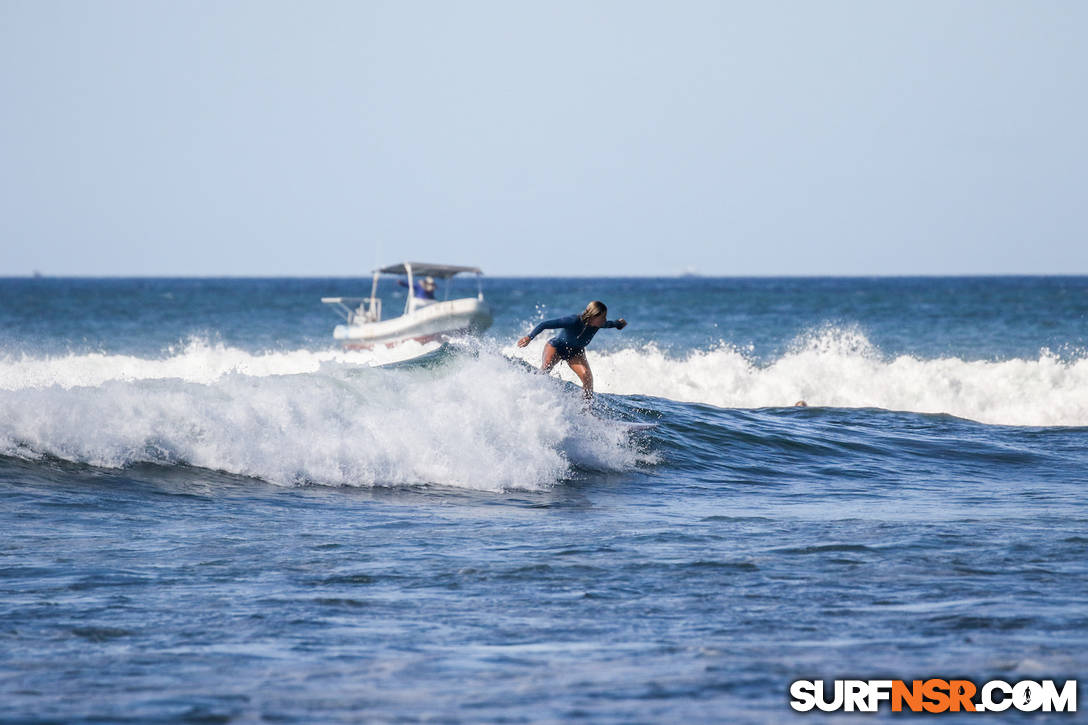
593 309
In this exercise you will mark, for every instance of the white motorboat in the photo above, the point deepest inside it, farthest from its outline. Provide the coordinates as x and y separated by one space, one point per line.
424 318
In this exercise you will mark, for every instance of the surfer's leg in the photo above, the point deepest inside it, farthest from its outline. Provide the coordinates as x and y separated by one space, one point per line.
580 365
551 357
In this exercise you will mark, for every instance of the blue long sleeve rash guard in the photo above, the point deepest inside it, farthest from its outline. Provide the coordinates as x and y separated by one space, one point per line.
573 332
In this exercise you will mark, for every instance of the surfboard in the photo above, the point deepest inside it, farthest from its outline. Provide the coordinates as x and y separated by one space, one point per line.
629 425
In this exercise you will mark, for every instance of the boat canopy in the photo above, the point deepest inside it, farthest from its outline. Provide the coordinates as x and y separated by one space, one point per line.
425 269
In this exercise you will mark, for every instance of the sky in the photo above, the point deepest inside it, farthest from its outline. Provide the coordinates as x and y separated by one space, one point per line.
535 139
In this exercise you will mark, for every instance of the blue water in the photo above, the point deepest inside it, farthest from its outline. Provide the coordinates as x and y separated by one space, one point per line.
213 515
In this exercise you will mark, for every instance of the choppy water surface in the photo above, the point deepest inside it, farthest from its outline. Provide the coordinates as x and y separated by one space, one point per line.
213 515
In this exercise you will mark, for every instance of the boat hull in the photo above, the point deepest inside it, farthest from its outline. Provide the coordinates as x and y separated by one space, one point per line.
435 321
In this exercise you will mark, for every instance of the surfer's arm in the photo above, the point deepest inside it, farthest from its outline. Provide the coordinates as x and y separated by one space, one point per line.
618 324
555 324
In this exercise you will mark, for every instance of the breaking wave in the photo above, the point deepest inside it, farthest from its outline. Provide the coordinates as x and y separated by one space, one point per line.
302 417
477 420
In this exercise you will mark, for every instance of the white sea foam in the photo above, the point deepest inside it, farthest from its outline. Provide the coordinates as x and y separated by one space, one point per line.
841 368
307 417
198 362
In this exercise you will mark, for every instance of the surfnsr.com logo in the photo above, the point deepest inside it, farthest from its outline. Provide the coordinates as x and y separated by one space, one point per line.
934 695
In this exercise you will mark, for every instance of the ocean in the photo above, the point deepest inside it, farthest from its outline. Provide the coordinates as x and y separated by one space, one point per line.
213 514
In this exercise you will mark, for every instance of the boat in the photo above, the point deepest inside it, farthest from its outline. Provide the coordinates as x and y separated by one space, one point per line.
423 320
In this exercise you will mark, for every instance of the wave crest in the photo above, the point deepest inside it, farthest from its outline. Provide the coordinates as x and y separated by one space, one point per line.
842 368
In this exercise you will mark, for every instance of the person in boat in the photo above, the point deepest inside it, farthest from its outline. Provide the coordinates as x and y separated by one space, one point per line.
422 289
576 331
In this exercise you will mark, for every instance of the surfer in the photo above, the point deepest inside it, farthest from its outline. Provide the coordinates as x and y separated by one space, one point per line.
570 343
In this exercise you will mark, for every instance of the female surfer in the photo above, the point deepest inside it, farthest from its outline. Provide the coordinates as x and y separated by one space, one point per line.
570 343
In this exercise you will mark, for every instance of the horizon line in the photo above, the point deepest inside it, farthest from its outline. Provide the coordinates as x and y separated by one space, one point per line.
679 275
